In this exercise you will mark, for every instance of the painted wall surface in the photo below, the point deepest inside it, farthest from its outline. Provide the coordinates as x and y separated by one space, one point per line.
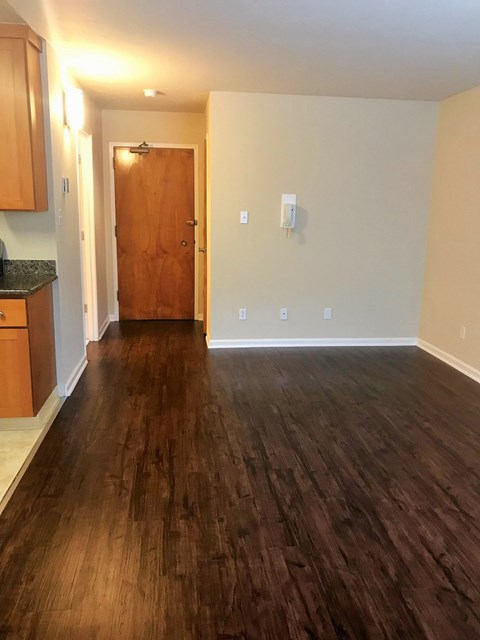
452 275
70 342
28 236
361 170
168 128
93 126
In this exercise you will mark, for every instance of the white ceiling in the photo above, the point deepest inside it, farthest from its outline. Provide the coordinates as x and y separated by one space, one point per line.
407 49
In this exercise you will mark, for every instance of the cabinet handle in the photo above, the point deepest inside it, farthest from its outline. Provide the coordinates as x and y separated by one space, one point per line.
2 315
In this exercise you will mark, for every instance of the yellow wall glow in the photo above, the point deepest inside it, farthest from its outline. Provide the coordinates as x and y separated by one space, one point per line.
74 110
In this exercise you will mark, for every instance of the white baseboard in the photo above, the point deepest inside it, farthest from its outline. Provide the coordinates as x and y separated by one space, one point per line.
461 366
200 317
311 342
42 422
104 327
75 376
46 415
113 318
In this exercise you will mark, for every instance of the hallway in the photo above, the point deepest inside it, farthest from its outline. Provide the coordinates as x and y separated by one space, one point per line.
183 494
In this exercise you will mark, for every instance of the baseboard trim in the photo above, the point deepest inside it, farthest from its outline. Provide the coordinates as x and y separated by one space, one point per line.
44 421
311 342
454 362
112 317
200 317
47 413
75 376
104 327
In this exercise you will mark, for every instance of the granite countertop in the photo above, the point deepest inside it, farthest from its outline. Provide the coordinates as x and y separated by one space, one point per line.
24 277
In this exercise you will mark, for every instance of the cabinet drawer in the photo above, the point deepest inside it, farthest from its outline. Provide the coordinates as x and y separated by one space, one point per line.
13 313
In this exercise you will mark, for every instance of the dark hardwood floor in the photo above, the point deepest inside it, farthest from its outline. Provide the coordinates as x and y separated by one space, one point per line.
308 494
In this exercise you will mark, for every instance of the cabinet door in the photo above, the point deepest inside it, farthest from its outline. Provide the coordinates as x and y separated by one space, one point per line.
23 184
15 378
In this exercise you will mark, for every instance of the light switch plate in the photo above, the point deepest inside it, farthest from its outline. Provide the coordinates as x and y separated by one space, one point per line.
243 217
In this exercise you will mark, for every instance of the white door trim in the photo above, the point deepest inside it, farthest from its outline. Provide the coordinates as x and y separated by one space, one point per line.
87 215
160 145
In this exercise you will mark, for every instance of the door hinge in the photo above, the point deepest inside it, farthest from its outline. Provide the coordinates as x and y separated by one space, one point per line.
113 162
85 308
118 297
79 159
115 231
83 235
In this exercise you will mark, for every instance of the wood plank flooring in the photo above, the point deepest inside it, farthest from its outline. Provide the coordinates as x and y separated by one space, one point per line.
247 495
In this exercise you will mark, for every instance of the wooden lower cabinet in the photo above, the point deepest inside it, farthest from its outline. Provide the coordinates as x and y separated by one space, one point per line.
27 354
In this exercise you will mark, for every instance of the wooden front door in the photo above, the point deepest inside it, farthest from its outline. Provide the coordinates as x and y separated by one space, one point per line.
154 198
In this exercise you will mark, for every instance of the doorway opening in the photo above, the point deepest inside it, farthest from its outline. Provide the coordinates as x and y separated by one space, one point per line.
155 229
87 235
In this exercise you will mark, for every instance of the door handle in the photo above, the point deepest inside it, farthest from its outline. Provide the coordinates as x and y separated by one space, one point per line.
192 223
183 243
202 249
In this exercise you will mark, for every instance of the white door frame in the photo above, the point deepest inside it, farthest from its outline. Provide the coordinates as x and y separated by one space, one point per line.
87 226
159 145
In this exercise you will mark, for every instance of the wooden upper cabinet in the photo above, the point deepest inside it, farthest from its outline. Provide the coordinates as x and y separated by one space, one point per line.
23 180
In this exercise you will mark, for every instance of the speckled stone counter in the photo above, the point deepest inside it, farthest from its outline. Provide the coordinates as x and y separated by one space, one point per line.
24 277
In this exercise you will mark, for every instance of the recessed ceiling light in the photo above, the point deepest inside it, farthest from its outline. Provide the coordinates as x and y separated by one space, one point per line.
152 93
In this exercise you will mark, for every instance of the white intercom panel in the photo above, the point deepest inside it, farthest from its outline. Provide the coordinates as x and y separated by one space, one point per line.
288 219
288 211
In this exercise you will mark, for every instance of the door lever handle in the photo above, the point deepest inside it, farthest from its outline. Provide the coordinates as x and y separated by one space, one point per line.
192 223
202 249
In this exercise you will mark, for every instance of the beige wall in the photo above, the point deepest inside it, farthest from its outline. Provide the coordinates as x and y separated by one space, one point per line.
154 127
69 334
452 277
28 236
93 126
361 170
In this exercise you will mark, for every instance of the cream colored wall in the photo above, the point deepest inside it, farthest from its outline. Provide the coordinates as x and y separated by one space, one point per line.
93 126
28 236
154 127
68 304
452 277
361 170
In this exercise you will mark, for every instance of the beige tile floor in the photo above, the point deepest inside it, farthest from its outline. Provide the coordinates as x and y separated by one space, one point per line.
15 447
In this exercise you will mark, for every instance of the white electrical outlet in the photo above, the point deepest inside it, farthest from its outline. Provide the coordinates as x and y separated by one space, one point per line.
242 314
284 314
463 332
243 217
327 313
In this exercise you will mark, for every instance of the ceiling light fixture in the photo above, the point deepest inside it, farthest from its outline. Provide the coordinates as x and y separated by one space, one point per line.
152 93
